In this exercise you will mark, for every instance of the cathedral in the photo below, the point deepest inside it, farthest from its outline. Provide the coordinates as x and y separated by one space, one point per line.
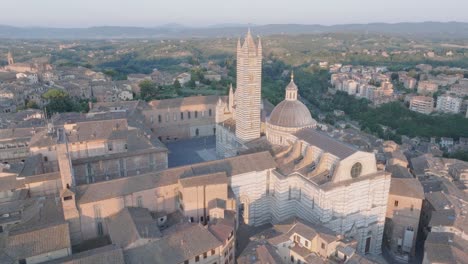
316 177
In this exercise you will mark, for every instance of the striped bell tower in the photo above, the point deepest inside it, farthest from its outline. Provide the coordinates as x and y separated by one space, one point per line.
249 86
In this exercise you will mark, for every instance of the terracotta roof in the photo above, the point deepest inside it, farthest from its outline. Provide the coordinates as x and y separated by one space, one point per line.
445 248
209 179
326 143
179 243
186 101
39 241
407 187
110 254
138 224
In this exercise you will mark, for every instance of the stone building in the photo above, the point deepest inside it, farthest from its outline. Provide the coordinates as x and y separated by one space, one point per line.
403 214
179 118
422 104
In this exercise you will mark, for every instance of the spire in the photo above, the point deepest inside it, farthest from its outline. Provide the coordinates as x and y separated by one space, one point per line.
249 42
291 89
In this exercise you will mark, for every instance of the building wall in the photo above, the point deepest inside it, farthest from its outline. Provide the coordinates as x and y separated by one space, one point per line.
160 199
402 212
196 199
168 124
105 169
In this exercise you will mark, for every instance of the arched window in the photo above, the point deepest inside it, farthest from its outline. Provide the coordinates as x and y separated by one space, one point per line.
356 170
197 132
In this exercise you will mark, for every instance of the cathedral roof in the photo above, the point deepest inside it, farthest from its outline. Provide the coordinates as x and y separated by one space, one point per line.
291 114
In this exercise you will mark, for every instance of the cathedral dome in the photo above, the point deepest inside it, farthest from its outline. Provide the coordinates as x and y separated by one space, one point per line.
291 114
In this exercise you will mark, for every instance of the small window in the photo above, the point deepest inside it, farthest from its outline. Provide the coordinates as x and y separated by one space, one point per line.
139 201
67 198
197 258
22 261
323 245
212 252
196 114
159 119
181 116
100 229
126 146
395 203
109 146
46 159
205 255
412 208
186 262
209 112
306 243
189 115
356 170
292 258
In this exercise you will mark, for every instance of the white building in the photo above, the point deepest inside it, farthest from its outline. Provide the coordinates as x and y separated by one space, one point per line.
449 104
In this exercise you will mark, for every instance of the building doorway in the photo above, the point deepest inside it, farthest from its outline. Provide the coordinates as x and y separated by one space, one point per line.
368 244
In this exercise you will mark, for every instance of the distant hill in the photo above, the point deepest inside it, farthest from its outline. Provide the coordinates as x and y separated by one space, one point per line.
433 30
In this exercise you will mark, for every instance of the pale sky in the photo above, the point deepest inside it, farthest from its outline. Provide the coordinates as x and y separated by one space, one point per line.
150 13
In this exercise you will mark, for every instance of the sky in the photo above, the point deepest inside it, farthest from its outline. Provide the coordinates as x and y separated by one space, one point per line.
151 13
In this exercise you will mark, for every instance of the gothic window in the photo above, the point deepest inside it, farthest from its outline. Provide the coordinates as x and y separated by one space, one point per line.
181 115
356 170
209 112
159 119
197 132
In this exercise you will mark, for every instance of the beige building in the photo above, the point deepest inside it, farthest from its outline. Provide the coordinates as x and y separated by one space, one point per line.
402 219
173 119
427 87
422 104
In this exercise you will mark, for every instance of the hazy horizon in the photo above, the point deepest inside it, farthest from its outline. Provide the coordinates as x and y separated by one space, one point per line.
202 13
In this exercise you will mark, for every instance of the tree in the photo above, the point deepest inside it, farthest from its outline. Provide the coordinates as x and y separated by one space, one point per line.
395 76
32 104
148 90
177 85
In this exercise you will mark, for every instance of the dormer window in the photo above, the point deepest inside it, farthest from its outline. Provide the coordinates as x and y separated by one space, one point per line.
356 170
